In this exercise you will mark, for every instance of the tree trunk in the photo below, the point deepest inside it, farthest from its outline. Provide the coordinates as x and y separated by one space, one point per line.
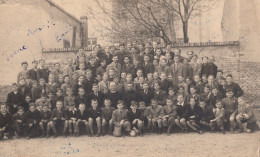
185 31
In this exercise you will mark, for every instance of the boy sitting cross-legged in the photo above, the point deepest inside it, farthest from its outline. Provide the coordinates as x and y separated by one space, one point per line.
135 116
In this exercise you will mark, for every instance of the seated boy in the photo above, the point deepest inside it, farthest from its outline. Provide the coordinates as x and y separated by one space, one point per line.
246 115
169 114
72 118
193 116
19 122
206 114
14 99
145 113
82 119
135 117
107 117
230 105
43 101
94 117
58 118
33 117
219 119
182 108
154 115
120 121
45 119
5 123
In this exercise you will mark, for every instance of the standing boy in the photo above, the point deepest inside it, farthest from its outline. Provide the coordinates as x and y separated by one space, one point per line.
94 117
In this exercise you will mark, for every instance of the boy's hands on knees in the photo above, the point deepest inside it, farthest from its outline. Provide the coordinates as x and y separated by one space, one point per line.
166 116
55 118
15 106
213 120
121 122
134 121
30 124
246 116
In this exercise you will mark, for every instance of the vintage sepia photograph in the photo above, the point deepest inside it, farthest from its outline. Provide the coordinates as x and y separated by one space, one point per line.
127 78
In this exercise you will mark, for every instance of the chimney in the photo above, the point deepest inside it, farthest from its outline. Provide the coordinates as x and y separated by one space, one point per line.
84 31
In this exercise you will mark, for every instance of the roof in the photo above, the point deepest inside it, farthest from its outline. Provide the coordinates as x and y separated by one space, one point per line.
64 11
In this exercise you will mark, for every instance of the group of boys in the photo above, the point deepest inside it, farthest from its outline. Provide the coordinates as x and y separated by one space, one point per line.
153 91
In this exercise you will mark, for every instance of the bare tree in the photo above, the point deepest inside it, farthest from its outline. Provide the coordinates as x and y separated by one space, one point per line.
141 19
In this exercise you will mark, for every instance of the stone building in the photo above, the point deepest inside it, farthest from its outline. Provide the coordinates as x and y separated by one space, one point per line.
29 26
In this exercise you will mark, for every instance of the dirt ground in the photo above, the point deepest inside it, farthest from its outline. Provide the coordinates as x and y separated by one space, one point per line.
178 144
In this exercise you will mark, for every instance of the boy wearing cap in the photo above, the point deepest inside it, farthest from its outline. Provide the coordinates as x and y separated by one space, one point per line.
135 117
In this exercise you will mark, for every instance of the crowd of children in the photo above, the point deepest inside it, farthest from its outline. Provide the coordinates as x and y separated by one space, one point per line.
134 90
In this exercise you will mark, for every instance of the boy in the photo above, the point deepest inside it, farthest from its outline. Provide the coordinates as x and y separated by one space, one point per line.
96 95
82 119
234 86
127 66
36 91
168 115
193 94
81 70
101 69
80 84
198 84
43 101
59 94
57 72
24 73
230 105
114 65
147 66
33 117
94 117
206 114
193 116
129 95
23 87
214 96
154 116
14 99
146 94
51 85
58 118
159 95
219 119
33 71
135 117
205 96
182 108
19 122
45 119
69 99
120 121
26 102
42 85
246 115
81 98
72 119
107 117
5 122
145 113
42 71
113 94
89 81
104 84
165 84
66 84
52 100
